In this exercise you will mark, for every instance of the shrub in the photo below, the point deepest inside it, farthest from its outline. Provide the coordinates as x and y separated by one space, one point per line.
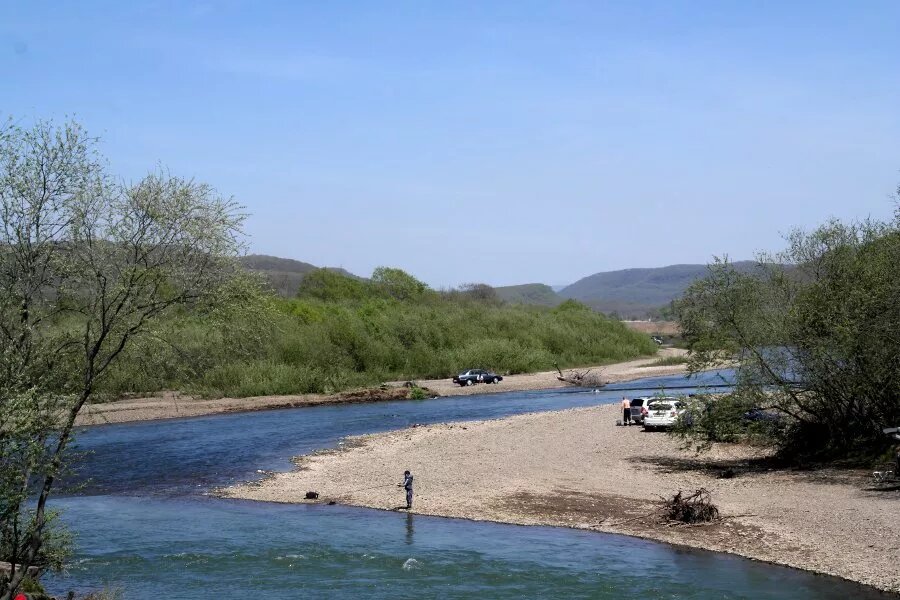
343 332
417 393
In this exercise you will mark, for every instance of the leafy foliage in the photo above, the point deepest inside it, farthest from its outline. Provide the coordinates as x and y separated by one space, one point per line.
88 266
417 393
343 332
529 293
814 330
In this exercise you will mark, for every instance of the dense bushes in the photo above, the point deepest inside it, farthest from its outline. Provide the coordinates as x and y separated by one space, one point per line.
343 332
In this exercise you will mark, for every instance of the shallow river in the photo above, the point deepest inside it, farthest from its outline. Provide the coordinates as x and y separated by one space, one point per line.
145 524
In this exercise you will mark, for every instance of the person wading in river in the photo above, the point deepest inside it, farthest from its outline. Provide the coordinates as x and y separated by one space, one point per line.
407 485
626 411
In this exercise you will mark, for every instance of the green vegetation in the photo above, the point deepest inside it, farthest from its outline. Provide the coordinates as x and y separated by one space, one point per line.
815 332
417 393
529 293
283 275
343 332
88 266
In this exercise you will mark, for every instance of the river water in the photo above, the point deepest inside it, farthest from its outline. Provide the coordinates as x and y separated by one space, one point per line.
145 524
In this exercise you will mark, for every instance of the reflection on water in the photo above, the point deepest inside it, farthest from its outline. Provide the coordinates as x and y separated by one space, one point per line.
410 528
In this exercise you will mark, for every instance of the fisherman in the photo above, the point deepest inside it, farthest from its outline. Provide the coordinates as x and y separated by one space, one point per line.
626 411
407 485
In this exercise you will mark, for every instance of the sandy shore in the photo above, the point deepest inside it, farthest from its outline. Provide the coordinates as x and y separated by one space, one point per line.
575 468
171 405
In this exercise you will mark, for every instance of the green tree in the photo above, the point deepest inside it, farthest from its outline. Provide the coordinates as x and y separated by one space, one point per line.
398 284
814 332
480 292
329 286
87 266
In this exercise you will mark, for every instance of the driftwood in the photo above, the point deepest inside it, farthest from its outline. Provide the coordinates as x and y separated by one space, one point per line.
691 508
581 378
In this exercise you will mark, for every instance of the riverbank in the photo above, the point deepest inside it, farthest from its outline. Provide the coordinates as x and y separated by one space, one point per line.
172 405
575 468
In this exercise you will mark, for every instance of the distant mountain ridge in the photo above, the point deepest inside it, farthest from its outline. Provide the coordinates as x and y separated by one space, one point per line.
627 293
638 292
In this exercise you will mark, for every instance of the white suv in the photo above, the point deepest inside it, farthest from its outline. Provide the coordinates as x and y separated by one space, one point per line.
663 412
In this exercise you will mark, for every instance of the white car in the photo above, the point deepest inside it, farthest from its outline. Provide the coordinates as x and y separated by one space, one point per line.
663 413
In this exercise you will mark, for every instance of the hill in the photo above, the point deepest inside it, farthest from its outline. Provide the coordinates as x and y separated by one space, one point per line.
628 293
529 293
636 293
283 274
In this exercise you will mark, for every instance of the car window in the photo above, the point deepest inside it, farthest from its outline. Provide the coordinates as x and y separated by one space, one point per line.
660 406
637 402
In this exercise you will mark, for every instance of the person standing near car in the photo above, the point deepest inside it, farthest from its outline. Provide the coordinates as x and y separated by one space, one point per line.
408 486
626 411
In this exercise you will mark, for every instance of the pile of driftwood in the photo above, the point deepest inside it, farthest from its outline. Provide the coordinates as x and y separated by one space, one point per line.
691 508
581 378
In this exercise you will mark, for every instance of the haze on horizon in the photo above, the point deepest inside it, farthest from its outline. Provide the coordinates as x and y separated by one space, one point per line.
511 143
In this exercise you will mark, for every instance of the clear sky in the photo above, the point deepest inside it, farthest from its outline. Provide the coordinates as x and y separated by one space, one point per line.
505 142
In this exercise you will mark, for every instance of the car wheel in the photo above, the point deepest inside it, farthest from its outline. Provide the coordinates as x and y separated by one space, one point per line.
496 380
469 382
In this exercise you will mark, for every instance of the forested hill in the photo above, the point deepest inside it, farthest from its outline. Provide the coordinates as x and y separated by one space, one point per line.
628 293
638 292
283 274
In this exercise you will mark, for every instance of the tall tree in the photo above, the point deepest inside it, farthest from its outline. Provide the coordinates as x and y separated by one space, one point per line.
87 265
815 332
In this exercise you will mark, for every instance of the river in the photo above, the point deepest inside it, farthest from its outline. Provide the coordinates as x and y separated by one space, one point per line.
145 523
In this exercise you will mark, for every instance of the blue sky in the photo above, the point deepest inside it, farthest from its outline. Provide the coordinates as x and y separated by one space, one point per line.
505 142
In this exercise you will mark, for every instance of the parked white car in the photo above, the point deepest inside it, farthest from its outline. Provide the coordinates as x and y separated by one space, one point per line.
663 413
